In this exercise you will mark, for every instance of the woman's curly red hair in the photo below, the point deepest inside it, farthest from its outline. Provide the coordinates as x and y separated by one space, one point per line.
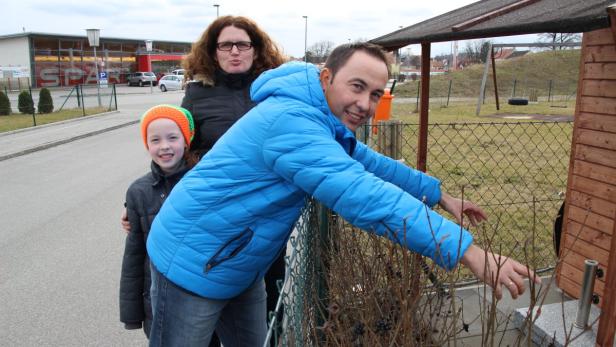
202 58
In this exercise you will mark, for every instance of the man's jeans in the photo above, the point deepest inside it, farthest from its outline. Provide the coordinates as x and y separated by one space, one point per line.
182 318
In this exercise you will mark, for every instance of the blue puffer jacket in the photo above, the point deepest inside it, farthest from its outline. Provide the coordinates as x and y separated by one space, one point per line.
228 218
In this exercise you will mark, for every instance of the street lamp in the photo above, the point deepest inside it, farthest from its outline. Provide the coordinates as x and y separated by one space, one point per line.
93 40
148 48
217 6
305 39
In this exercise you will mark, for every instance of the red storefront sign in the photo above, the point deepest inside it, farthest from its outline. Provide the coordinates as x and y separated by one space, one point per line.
54 75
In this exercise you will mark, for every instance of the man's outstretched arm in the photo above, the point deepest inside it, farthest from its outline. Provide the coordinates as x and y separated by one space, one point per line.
498 271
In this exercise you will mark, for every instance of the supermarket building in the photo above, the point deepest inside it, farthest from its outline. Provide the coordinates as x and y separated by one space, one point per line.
53 60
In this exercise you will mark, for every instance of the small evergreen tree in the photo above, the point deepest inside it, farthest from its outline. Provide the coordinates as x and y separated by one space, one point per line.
5 104
25 103
45 104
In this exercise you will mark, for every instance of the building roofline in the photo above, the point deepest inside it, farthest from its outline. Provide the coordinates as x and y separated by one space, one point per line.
105 38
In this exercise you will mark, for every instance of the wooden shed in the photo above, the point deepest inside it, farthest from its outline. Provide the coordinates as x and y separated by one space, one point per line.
590 210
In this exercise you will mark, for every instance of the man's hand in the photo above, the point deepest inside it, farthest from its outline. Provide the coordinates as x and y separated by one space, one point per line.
124 221
497 271
474 214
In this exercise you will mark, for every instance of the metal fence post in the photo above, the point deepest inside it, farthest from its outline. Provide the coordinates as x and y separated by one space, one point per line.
417 98
448 93
115 96
324 244
550 91
78 96
33 110
83 102
588 285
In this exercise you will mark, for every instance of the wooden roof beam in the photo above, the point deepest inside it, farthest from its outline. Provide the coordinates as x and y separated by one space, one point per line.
492 14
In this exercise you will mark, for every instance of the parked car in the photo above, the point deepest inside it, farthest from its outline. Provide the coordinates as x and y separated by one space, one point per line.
179 72
142 78
171 82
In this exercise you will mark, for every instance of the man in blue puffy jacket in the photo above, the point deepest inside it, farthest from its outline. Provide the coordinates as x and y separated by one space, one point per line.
228 218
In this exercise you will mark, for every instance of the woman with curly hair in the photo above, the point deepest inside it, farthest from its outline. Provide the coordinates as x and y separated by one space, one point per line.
221 66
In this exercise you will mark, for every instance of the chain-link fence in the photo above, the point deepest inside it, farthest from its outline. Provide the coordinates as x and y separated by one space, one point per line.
515 171
48 105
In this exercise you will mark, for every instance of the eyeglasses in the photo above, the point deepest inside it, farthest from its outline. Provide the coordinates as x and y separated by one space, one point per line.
227 46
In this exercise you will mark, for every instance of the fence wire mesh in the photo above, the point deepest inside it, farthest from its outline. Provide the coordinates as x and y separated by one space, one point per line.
55 104
514 171
517 172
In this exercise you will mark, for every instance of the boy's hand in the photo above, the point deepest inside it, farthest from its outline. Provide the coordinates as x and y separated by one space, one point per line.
124 221
486 266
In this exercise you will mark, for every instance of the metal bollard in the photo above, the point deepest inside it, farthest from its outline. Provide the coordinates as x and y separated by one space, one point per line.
588 285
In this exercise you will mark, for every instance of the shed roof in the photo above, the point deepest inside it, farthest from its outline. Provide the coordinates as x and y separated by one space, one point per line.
541 16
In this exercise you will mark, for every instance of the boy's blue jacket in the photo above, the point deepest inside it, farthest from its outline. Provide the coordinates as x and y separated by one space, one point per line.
226 221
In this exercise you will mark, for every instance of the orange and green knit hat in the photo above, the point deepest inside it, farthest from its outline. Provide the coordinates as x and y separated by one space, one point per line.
179 115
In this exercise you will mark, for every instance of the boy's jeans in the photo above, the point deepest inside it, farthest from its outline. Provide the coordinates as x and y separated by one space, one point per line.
182 318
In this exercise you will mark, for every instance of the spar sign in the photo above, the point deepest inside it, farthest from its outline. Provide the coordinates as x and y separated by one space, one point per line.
51 75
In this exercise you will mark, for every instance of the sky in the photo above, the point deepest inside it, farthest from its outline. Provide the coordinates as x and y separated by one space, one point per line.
185 20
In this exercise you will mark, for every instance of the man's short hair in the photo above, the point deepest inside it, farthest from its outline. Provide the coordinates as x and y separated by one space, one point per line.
341 54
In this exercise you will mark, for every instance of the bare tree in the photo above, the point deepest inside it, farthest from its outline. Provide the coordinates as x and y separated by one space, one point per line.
318 52
476 51
556 38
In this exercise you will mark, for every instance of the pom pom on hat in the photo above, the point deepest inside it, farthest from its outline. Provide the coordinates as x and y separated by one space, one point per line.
179 115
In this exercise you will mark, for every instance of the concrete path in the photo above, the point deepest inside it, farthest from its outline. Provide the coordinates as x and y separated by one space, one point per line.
28 140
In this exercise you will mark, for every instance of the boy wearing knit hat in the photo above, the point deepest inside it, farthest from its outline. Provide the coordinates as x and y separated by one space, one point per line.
167 132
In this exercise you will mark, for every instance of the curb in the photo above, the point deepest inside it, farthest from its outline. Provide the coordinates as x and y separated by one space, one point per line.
67 140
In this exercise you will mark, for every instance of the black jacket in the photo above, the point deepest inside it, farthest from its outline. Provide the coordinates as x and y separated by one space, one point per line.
144 198
215 108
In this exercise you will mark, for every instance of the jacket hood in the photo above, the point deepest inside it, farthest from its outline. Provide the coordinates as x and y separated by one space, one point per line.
295 80
300 81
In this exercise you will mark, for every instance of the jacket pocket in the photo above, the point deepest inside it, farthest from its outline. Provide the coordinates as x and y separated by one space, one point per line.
229 250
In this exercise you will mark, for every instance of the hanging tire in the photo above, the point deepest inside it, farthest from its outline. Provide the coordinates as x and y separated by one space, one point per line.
518 101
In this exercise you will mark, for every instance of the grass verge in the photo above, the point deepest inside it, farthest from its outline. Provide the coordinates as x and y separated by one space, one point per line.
20 121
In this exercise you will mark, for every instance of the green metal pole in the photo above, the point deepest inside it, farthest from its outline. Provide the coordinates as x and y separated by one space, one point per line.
115 96
417 99
448 93
33 111
83 101
324 244
78 95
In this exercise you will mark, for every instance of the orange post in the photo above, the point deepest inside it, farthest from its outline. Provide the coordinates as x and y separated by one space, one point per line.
383 110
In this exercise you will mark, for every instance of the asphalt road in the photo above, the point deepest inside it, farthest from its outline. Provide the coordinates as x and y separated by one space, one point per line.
61 244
